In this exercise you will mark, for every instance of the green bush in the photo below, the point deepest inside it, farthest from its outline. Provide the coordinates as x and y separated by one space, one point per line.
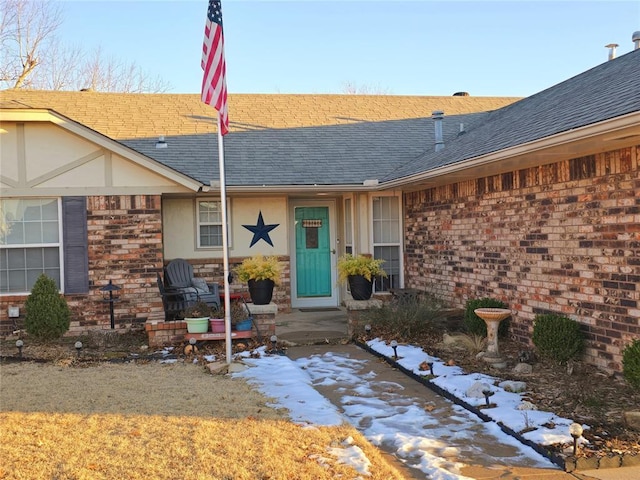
47 313
474 325
631 364
557 337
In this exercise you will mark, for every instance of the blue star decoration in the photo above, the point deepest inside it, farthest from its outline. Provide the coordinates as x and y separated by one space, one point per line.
261 231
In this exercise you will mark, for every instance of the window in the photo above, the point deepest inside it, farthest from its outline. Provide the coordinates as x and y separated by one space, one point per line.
210 223
386 240
30 232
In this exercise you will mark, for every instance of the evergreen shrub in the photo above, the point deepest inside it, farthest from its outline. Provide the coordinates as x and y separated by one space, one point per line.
631 364
557 337
47 313
474 325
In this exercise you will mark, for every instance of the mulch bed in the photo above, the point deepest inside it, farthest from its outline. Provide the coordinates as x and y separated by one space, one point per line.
576 391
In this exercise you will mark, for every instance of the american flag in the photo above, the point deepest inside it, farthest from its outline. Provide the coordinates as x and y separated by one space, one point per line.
214 83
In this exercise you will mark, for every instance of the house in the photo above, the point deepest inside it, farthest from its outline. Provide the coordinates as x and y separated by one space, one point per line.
533 201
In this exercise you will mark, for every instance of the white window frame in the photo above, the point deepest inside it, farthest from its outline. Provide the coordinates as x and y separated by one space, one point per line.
199 246
399 244
349 230
59 244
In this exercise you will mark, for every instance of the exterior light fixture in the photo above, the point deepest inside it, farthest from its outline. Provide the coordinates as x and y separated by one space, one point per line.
394 345
367 329
575 430
487 392
78 346
110 294
274 343
430 365
19 345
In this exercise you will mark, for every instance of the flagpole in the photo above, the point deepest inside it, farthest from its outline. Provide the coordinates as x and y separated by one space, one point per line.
225 244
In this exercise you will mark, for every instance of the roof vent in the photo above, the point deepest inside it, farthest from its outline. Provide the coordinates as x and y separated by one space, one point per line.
437 116
612 50
161 143
461 94
635 38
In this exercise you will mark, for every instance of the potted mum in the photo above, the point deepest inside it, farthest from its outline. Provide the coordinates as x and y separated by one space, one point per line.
261 273
360 271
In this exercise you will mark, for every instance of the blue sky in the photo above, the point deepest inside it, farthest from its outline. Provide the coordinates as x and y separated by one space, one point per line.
502 48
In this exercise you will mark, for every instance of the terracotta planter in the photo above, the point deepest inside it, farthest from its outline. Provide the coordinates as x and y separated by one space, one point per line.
360 287
261 291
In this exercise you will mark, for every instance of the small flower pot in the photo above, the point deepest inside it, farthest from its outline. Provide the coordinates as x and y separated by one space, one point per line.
244 325
217 325
197 325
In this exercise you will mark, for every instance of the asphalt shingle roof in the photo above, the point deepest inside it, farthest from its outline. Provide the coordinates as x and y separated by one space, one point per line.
340 139
274 139
606 91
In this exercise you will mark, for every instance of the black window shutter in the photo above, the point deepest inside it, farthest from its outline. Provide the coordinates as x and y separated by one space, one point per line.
75 248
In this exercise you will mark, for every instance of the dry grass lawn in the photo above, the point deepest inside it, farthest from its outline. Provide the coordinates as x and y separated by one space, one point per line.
158 421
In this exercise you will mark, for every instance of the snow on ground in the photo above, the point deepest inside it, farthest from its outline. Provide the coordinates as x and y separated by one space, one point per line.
437 440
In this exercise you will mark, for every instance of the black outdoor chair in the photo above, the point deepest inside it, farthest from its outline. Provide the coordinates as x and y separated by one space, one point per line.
179 277
174 301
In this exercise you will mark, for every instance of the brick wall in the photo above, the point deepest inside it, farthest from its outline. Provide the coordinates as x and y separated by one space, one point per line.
125 246
561 238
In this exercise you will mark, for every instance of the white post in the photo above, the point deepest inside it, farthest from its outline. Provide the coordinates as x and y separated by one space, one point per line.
225 244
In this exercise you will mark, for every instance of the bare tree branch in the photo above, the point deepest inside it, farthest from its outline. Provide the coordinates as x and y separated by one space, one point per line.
30 24
351 88
33 57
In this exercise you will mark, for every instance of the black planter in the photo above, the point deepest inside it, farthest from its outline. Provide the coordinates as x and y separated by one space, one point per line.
360 287
261 291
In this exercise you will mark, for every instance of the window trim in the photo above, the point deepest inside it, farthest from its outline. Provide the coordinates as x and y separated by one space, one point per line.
400 243
349 229
59 245
198 224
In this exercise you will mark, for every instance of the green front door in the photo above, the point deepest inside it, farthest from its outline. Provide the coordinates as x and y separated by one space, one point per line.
313 252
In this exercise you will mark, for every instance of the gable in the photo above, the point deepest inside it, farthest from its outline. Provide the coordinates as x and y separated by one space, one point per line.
45 158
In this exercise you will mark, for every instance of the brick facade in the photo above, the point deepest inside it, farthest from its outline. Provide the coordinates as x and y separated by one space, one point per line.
124 246
561 238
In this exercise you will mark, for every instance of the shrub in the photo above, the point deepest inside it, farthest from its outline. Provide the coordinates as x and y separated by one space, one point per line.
366 266
47 313
259 267
631 364
474 325
557 337
406 320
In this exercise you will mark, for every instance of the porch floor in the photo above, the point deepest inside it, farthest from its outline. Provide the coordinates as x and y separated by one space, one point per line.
311 327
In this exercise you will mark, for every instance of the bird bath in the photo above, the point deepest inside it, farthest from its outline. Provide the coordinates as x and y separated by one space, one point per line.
492 317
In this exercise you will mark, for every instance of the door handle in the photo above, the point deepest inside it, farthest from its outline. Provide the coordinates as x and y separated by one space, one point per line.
333 251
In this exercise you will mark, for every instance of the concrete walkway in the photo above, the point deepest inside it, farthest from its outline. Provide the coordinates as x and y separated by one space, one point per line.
317 332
